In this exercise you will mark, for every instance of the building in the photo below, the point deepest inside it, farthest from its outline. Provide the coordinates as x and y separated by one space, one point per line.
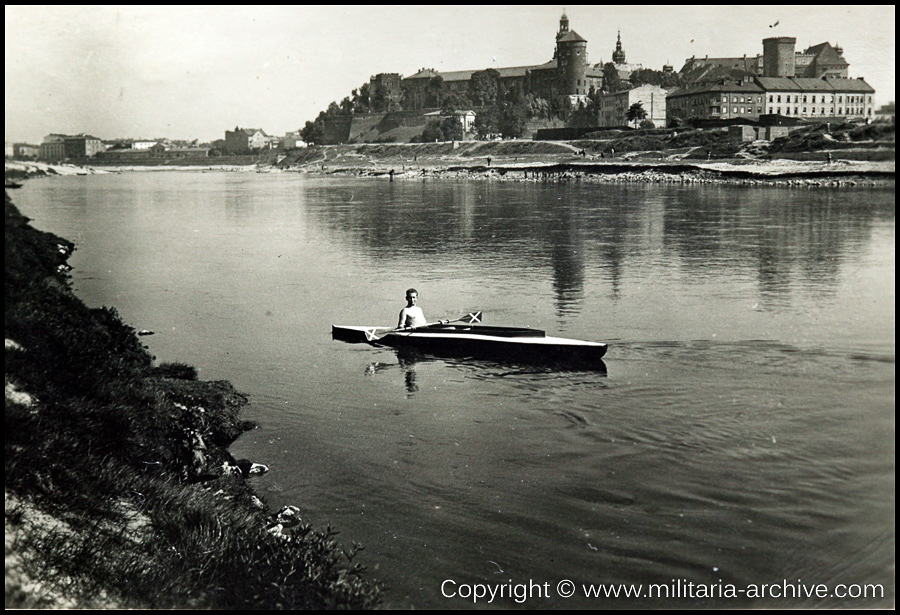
466 118
779 59
796 97
292 140
385 92
623 68
818 98
613 107
53 148
242 140
726 99
82 146
885 112
26 151
568 76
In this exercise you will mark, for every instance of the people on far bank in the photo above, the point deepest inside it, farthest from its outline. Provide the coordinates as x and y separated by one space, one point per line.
411 315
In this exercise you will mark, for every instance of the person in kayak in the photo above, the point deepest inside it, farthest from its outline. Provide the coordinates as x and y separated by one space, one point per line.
411 315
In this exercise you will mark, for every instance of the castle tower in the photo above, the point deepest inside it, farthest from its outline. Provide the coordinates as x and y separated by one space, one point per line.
563 25
778 56
571 59
618 56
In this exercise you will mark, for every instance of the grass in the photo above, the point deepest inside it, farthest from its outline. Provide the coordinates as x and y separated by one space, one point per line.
115 488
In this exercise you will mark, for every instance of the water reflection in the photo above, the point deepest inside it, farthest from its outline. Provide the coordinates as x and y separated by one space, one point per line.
780 237
408 359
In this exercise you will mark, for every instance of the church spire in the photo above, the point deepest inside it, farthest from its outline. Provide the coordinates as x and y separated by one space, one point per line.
618 56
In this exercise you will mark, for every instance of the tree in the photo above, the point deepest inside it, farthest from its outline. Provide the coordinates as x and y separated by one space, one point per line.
655 77
434 92
585 115
513 115
486 122
313 132
454 102
361 103
451 128
611 80
636 113
484 87
432 132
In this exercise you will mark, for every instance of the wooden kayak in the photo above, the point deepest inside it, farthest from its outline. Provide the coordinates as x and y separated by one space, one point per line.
503 343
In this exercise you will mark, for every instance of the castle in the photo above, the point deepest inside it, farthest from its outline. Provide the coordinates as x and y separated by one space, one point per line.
567 76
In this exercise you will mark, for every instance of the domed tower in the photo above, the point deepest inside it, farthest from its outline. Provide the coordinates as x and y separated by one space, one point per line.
618 56
571 60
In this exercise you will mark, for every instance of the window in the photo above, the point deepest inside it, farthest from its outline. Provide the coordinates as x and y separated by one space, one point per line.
770 98
778 110
796 111
779 98
734 110
840 110
823 110
804 100
804 110
813 99
742 109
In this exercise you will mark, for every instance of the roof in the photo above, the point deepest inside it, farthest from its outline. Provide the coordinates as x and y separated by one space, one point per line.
826 54
819 85
748 87
571 37
850 85
466 75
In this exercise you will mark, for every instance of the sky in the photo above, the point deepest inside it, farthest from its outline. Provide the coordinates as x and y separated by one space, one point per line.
193 72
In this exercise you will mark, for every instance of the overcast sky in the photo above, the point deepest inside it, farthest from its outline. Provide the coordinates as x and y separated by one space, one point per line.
194 72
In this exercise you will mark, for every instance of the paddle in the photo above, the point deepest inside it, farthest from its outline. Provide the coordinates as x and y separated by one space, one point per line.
373 336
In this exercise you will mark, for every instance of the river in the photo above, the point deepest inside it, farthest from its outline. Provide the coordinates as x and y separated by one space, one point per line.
741 435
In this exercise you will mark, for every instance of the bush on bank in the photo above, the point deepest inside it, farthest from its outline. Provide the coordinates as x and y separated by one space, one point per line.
119 487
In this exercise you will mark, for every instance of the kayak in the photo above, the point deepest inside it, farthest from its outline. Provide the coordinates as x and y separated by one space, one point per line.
504 343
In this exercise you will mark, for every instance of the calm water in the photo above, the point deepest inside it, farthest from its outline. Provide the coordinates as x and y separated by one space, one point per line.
743 433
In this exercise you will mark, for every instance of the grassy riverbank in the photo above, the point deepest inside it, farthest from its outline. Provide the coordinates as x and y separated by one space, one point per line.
120 491
842 156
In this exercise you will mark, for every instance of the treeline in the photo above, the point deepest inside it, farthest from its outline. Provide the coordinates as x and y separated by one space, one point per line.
500 111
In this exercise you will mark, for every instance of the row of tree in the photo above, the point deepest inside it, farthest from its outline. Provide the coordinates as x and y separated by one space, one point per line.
499 110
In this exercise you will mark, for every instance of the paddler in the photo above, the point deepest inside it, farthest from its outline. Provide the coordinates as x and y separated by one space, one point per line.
411 315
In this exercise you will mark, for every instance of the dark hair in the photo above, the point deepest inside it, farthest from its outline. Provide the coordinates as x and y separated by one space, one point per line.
410 291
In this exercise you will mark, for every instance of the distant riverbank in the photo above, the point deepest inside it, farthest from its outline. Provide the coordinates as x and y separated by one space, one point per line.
542 161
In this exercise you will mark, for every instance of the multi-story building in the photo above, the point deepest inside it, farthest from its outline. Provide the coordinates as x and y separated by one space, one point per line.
613 108
810 85
26 151
568 75
799 97
779 59
817 98
82 146
243 139
53 148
